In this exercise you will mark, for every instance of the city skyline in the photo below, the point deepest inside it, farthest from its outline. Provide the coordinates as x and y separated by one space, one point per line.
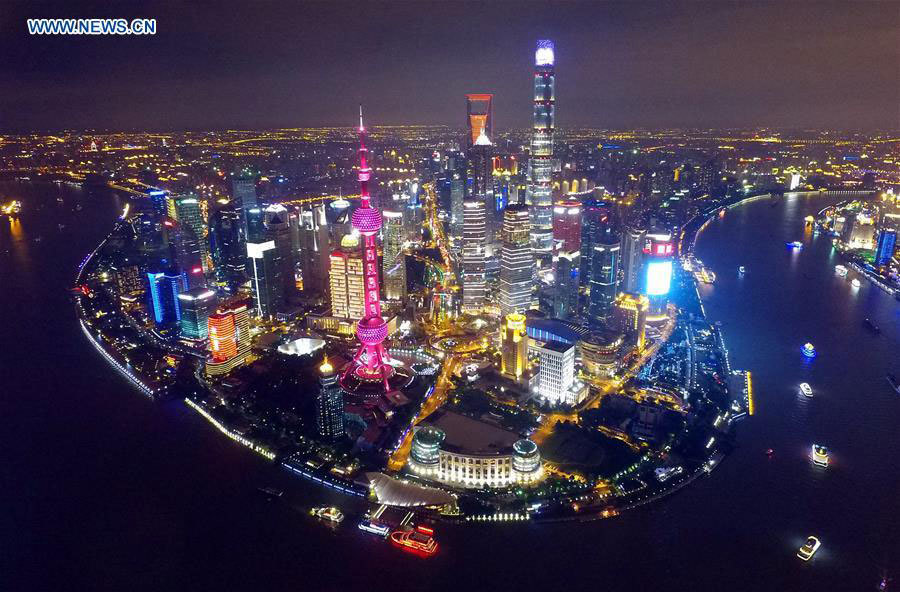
623 65
333 354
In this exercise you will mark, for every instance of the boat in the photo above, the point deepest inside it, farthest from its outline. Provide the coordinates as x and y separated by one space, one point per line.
806 389
271 491
374 527
840 270
870 324
895 384
820 455
77 207
883 582
329 513
664 474
742 270
808 350
770 452
795 245
855 282
418 540
809 548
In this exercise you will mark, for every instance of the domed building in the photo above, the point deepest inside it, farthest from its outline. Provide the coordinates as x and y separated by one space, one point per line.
463 452
600 352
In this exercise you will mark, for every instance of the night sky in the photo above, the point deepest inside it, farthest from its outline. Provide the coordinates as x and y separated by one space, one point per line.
255 64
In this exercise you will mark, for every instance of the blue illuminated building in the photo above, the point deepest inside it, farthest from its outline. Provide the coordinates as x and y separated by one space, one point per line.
163 290
884 249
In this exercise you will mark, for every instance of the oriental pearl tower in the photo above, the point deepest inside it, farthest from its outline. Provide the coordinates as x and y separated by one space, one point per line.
371 371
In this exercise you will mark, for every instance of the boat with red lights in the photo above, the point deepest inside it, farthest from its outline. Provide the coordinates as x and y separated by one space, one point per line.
418 540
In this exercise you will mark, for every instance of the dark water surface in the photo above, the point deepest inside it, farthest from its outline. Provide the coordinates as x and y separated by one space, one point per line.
102 489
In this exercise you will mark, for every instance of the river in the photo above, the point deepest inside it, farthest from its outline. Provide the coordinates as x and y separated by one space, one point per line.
103 489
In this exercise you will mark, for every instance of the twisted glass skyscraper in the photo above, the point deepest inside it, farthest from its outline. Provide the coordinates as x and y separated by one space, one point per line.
540 195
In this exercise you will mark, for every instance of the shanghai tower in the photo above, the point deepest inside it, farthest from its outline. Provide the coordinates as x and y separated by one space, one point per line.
540 195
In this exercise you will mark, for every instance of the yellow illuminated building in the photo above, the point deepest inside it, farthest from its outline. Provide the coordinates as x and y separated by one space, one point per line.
631 314
346 280
514 346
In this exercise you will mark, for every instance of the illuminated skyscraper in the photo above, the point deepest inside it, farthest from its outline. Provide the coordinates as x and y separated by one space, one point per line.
347 280
567 225
631 318
229 337
163 290
371 362
329 404
186 252
196 305
479 117
595 220
276 220
393 260
516 261
513 346
314 250
226 246
632 258
188 213
457 197
884 248
540 194
604 277
473 268
565 292
265 278
244 195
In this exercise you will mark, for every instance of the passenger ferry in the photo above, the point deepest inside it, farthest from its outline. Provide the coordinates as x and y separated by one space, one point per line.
840 270
855 282
820 455
419 540
742 270
373 527
808 350
795 245
329 513
809 548
806 389
664 474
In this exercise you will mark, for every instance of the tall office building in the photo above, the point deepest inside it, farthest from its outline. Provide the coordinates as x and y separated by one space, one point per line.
265 278
474 282
513 346
186 253
631 318
516 262
314 250
243 191
196 305
162 292
604 277
540 193
189 214
226 247
393 263
565 294
229 336
479 117
632 258
329 404
278 229
555 381
371 363
884 247
567 225
457 197
347 280
595 221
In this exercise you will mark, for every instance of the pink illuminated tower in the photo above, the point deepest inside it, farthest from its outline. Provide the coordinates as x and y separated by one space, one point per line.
371 364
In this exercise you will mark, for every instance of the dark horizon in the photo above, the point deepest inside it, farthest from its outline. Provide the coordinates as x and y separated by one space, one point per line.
821 65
